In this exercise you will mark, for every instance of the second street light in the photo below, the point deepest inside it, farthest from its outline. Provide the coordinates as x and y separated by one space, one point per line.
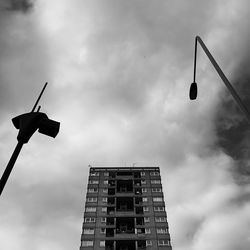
194 89
27 124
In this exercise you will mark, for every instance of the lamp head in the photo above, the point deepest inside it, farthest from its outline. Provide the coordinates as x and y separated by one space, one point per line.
193 91
49 127
28 123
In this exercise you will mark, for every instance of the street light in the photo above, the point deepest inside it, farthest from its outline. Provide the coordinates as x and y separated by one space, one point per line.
27 124
193 88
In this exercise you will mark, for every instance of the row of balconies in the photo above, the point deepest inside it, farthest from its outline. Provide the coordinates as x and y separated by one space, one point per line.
129 211
131 190
124 174
138 244
111 221
119 182
123 231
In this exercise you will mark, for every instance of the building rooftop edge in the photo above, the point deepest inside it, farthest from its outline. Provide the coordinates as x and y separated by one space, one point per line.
124 168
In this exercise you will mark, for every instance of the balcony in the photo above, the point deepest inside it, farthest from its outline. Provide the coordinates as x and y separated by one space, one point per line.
138 201
109 232
139 210
141 244
110 210
125 204
137 175
125 245
111 191
140 221
111 201
137 183
124 226
138 191
112 174
109 245
110 221
124 174
111 183
124 186
125 231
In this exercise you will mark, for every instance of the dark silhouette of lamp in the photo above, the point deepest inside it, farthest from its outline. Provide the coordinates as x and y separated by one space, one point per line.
27 124
193 91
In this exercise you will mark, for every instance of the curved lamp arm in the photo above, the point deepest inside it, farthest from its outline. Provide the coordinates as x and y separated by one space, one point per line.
193 88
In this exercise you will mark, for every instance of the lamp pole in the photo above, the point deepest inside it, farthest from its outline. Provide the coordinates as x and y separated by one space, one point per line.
27 124
193 88
10 166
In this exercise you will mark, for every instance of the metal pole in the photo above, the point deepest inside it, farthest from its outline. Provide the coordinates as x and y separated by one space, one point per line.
33 109
195 56
10 165
222 76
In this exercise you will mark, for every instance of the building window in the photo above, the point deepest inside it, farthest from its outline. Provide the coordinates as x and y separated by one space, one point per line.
157 199
89 220
105 199
103 219
94 173
163 242
106 182
93 182
144 190
155 181
145 209
156 190
162 230
105 190
92 190
106 173
148 243
143 182
102 243
154 173
92 199
87 243
160 219
103 230
104 209
159 209
145 199
142 173
88 231
147 231
90 209
146 219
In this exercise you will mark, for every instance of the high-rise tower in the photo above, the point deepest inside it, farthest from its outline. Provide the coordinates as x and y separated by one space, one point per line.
125 210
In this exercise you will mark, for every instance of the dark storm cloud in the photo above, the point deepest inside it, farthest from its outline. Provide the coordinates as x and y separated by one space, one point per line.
17 5
231 124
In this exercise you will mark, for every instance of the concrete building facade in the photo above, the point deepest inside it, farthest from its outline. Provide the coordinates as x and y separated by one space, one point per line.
125 210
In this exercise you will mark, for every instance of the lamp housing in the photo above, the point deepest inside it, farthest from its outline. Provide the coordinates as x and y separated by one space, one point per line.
28 123
193 91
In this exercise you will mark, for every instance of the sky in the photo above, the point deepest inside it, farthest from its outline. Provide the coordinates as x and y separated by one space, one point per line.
119 74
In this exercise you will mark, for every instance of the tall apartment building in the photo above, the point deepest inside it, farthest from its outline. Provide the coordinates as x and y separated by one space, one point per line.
125 210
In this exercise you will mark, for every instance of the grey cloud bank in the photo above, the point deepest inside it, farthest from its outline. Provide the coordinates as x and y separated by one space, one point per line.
119 74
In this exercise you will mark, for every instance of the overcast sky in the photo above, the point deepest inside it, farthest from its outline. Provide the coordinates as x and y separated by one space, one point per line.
119 75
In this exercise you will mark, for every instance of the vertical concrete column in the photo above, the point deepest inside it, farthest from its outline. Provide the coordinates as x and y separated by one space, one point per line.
136 245
115 224
135 225
114 244
134 203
